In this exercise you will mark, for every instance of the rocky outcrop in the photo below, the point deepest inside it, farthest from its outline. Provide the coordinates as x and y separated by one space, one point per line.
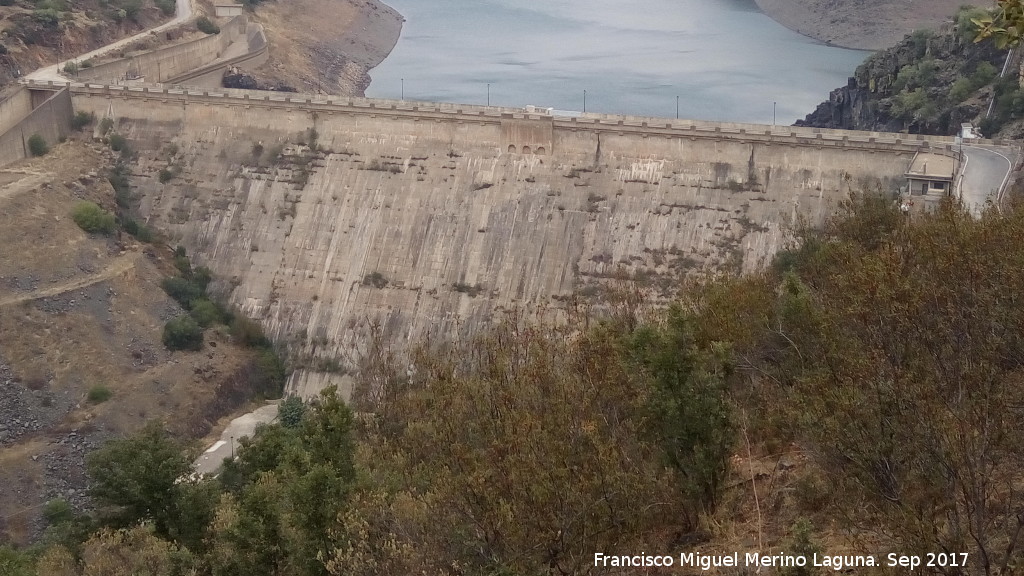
908 87
235 78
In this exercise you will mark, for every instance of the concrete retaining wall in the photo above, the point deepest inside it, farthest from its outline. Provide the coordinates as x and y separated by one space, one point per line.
165 63
51 120
14 108
211 75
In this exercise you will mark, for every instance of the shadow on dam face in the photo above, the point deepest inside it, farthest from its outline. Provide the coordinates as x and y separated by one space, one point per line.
426 224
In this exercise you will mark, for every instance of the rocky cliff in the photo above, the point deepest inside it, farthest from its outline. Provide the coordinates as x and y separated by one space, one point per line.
928 83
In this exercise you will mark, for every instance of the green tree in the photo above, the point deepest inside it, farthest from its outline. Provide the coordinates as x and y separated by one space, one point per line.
1004 26
901 365
290 412
286 488
689 409
519 451
136 478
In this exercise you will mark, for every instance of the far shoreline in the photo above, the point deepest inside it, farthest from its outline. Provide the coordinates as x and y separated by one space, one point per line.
875 25
385 32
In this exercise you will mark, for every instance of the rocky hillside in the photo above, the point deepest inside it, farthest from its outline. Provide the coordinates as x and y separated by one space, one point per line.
928 83
37 32
82 330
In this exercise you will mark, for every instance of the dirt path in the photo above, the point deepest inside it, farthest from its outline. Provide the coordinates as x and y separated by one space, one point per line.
24 182
113 270
864 25
183 12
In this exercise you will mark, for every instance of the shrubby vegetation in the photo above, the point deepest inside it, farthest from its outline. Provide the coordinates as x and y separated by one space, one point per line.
93 219
888 351
37 145
266 373
82 119
206 26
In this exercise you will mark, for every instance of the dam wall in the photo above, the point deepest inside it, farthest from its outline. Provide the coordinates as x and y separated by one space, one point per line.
163 64
326 217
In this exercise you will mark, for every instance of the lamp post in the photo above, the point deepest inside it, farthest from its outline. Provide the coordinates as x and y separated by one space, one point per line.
584 101
232 447
403 88
488 93
773 114
677 107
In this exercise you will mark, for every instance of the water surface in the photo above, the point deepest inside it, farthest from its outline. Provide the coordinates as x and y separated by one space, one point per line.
723 59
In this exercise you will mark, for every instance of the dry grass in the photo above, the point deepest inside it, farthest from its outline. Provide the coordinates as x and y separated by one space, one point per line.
77 311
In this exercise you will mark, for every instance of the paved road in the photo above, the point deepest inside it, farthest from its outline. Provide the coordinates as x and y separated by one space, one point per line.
209 462
183 11
986 171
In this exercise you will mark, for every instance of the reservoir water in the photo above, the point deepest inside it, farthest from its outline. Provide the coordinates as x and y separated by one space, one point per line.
723 59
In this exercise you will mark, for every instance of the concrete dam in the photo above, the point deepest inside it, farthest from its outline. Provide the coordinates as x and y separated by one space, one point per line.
328 215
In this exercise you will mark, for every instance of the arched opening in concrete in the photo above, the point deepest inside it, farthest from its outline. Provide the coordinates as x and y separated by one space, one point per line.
541 151
526 149
511 148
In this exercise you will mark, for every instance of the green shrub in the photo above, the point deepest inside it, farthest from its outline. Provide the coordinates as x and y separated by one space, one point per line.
82 119
201 277
131 8
47 16
139 231
37 145
118 178
206 313
206 26
71 68
93 219
270 374
58 511
802 543
117 142
183 333
106 125
166 6
960 90
99 394
182 290
248 332
166 175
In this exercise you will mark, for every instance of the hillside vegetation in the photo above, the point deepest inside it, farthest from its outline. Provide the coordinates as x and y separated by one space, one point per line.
34 33
862 396
929 83
82 319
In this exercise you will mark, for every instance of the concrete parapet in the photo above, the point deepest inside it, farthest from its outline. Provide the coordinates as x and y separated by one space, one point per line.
602 123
